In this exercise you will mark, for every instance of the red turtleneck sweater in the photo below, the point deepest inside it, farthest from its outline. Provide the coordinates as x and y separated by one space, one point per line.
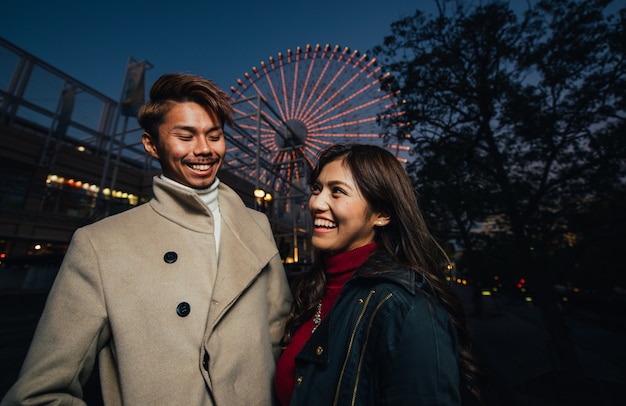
339 268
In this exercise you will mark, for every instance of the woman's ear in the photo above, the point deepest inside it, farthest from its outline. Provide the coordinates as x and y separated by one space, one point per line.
382 220
150 145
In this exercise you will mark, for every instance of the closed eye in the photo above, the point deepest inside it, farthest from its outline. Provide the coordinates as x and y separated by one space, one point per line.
183 136
215 136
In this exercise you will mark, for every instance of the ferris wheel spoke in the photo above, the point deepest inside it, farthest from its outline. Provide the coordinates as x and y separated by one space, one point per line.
284 87
367 103
266 117
319 80
352 95
338 92
314 148
352 110
265 99
272 89
329 85
294 85
308 76
346 124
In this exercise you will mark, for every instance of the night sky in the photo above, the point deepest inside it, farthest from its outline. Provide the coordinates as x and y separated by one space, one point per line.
92 41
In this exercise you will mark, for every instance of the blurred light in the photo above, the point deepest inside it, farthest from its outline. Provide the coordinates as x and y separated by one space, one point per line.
528 299
485 292
37 247
259 193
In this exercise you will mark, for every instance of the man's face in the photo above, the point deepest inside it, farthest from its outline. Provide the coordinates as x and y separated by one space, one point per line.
190 145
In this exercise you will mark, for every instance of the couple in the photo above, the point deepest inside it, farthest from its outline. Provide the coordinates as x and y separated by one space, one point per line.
184 299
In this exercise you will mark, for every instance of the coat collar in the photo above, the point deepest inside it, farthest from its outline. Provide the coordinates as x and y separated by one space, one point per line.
379 267
181 206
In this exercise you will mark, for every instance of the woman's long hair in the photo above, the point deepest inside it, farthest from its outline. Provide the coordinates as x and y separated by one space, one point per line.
386 187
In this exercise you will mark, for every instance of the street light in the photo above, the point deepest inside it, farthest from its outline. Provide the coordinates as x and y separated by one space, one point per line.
263 200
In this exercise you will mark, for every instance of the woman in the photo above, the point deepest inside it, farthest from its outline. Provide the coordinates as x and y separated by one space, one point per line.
374 321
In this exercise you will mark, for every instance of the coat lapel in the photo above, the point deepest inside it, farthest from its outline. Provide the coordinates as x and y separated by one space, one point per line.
245 249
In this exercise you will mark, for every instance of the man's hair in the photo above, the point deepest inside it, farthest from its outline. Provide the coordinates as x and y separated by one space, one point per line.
180 88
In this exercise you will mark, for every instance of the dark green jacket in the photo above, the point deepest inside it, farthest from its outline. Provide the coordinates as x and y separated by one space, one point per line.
385 342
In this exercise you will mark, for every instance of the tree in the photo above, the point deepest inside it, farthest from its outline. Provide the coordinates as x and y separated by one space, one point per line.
514 117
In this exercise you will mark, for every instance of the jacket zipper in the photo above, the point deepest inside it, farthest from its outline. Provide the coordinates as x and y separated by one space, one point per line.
356 326
367 337
345 361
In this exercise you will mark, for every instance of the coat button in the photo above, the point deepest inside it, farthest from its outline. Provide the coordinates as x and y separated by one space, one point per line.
299 380
170 257
205 361
183 309
319 350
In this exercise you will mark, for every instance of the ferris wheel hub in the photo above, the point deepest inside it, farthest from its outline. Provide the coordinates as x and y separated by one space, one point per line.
291 134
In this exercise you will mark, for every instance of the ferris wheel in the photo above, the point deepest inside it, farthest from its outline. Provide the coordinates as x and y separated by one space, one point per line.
293 106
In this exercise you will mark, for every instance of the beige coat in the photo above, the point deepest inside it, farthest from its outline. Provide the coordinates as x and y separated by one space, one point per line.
116 297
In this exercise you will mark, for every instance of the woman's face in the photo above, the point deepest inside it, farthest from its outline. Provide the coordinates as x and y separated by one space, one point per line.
341 218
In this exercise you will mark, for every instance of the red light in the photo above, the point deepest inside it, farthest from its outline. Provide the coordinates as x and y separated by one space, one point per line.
522 281
519 285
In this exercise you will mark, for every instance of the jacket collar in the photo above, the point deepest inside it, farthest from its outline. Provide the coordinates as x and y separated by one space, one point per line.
392 272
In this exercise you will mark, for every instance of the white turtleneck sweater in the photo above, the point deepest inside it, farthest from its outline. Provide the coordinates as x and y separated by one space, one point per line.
209 197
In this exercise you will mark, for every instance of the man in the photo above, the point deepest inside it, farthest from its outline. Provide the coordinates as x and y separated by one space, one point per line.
182 299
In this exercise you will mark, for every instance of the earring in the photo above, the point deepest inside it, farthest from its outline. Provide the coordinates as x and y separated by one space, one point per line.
380 223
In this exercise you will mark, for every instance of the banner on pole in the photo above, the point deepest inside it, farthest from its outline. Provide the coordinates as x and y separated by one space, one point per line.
134 89
65 112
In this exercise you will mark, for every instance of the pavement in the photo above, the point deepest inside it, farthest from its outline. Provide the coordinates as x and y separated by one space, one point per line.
509 339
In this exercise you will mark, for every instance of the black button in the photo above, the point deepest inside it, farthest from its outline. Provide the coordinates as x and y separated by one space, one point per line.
183 309
205 361
170 257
